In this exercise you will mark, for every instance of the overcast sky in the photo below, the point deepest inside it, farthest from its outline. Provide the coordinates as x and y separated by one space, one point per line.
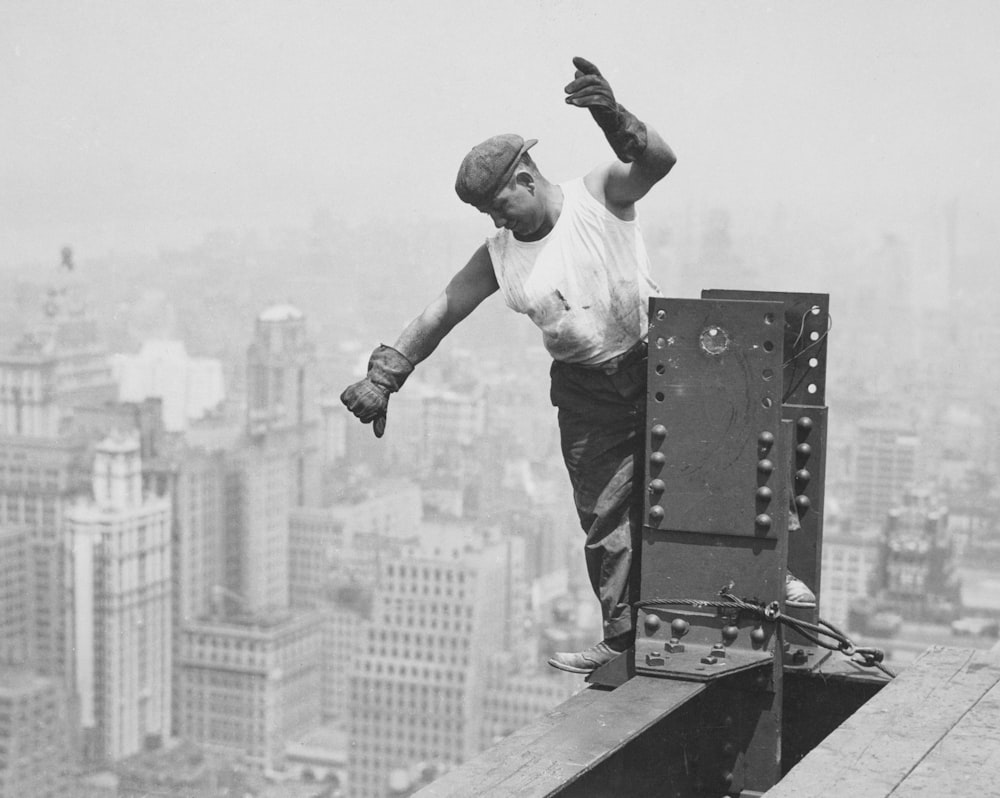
130 124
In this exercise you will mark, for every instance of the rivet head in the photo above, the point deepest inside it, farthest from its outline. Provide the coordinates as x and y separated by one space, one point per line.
652 624
730 633
804 423
656 513
658 459
679 627
766 439
764 493
763 521
802 502
758 636
804 450
657 486
802 477
658 431
765 466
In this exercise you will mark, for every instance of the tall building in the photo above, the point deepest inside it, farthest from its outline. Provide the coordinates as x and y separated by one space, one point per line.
885 466
188 386
256 530
250 683
850 561
120 559
36 751
440 613
917 575
282 400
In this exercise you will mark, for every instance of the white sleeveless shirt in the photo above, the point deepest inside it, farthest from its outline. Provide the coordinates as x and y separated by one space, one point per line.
586 284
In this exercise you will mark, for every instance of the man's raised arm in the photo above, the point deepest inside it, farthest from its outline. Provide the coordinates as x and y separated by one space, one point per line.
644 157
389 366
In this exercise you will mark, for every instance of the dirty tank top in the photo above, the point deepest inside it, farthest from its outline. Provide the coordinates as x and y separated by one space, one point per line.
586 284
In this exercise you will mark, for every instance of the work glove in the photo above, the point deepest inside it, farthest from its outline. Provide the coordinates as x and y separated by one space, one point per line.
368 399
591 90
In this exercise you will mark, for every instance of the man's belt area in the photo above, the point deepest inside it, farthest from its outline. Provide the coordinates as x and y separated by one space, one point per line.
632 355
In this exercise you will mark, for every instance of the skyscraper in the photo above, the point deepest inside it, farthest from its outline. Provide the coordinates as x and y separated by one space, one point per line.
120 558
282 400
440 613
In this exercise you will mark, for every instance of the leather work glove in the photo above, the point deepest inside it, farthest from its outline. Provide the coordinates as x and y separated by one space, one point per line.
368 399
591 90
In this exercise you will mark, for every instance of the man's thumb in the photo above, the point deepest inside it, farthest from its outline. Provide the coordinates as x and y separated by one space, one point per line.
378 425
585 66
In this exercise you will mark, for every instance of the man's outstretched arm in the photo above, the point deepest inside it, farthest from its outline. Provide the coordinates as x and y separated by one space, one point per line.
471 285
644 157
389 366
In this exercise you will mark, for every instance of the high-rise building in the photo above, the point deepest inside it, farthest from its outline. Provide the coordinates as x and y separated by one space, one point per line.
36 752
917 575
256 531
440 613
850 559
885 466
188 386
282 400
120 559
347 541
250 683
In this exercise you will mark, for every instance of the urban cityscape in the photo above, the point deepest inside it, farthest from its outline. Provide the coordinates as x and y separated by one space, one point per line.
216 583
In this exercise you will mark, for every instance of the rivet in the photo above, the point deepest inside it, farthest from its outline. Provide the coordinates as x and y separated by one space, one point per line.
764 493
758 636
728 748
802 477
804 423
765 438
802 502
656 513
730 633
658 459
679 627
657 486
652 624
658 431
727 778
765 466
804 450
763 521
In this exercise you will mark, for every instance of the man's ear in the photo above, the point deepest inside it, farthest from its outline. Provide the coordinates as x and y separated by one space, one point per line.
526 179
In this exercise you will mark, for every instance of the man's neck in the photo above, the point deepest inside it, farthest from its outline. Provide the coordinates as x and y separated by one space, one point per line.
553 203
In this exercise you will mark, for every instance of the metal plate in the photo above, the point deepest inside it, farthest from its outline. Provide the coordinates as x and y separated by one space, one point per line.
714 402
806 325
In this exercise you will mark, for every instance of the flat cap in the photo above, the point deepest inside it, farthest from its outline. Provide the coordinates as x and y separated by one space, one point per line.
488 167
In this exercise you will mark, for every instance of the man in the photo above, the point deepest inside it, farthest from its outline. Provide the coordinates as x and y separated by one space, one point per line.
570 256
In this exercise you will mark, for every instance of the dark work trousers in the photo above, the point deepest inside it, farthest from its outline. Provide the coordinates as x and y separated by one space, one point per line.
600 415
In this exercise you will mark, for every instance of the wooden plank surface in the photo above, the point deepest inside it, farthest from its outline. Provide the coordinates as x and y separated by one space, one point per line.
905 732
571 740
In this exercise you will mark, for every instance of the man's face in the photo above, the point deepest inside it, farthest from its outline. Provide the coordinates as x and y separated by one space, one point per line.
517 208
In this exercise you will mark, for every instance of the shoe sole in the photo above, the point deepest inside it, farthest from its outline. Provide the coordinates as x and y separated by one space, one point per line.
570 668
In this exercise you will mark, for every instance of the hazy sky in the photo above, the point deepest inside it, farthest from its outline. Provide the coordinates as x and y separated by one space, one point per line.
129 124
